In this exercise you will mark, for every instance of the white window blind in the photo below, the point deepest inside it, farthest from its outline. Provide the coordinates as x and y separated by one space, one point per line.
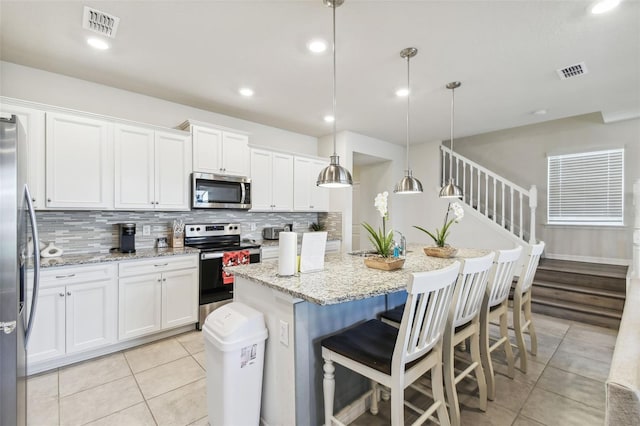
586 188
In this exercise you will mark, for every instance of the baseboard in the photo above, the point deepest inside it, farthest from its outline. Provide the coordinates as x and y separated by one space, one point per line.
351 412
588 259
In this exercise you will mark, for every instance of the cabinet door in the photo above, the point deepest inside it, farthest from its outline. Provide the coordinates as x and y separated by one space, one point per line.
318 196
139 307
179 297
92 315
31 127
134 167
172 169
79 162
302 184
47 339
282 182
207 149
261 180
235 154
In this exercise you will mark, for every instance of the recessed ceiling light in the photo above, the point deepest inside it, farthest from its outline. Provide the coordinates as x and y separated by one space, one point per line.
539 112
245 91
604 6
402 92
97 43
329 118
317 46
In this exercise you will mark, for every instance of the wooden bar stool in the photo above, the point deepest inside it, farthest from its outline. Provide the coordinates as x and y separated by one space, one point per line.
495 306
398 357
464 322
522 304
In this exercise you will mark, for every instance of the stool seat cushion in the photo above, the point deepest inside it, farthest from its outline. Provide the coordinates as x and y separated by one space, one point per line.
394 314
370 343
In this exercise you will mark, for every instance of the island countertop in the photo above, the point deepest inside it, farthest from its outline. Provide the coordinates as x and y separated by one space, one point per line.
345 277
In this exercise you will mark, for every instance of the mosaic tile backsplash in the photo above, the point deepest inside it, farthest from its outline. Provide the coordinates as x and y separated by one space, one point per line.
97 231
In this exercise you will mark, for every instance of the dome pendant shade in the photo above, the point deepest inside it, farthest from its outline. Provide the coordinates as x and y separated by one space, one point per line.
408 185
334 175
451 190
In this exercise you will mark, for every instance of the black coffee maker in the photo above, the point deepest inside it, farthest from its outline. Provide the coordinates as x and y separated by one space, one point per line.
127 238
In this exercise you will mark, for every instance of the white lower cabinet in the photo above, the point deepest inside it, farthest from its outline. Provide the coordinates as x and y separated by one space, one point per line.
157 294
76 311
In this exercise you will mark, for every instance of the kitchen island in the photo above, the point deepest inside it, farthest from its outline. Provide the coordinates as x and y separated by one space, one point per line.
303 309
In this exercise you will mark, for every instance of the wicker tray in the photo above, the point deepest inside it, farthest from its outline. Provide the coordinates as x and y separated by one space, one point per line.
384 264
444 252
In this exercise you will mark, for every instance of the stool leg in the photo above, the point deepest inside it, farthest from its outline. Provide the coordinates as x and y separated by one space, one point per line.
397 403
438 393
504 334
485 352
374 397
479 372
450 378
517 328
328 387
532 331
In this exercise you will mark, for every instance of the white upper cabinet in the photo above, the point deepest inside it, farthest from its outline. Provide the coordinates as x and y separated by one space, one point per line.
79 162
271 181
219 151
151 169
31 125
307 196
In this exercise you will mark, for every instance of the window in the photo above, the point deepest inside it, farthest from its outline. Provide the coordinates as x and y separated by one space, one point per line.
586 188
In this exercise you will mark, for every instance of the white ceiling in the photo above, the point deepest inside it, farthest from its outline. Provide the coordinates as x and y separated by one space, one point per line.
199 53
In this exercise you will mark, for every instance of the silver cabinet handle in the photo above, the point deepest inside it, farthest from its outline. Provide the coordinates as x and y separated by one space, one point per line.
48 200
159 280
68 293
161 265
33 200
65 276
152 202
8 326
61 294
164 279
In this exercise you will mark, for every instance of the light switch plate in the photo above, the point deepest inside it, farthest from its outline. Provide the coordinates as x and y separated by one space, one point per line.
284 333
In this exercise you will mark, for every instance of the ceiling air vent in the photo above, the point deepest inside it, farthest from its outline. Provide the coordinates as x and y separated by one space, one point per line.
572 71
100 22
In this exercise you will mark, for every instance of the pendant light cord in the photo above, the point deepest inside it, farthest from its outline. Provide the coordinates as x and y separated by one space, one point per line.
453 91
333 6
408 97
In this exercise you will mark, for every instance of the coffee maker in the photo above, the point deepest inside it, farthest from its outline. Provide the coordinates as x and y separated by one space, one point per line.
127 238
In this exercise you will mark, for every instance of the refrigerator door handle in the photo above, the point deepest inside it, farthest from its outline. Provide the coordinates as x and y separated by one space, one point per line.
36 265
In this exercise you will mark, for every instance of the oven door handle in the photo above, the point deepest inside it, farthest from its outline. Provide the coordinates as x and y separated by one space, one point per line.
207 256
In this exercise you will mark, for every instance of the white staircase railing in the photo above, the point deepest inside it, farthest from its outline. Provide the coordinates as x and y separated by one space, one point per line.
507 205
636 232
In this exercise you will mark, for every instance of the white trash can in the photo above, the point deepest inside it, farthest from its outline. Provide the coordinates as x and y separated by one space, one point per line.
234 336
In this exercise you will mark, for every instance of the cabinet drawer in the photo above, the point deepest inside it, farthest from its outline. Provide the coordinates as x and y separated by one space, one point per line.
50 277
158 264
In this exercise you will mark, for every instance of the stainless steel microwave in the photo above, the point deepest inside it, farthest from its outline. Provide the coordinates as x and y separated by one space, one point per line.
211 191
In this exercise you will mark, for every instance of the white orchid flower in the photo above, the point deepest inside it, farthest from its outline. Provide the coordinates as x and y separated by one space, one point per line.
381 203
458 211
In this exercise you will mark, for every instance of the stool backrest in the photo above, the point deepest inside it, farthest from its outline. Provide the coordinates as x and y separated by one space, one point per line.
470 288
501 276
530 265
425 314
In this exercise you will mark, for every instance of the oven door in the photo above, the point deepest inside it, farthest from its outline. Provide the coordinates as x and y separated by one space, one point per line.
216 284
211 191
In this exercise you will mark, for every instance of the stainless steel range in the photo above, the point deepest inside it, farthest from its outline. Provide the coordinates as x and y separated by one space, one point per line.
220 244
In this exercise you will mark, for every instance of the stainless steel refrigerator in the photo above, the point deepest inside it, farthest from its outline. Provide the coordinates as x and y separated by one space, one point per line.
17 224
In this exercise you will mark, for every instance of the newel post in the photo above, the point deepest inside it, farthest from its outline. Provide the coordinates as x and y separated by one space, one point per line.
533 203
636 231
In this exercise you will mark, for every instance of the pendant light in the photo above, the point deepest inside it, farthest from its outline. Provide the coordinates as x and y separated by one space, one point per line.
334 175
408 184
451 190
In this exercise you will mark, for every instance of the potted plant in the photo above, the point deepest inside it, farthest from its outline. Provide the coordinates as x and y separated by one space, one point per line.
381 239
442 249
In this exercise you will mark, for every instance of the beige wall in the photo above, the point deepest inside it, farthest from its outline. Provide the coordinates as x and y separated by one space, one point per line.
35 85
520 155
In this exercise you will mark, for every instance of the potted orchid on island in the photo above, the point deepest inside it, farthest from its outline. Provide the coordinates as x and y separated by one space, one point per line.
382 239
439 237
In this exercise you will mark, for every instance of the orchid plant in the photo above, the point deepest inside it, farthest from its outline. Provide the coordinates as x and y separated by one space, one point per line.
440 236
381 239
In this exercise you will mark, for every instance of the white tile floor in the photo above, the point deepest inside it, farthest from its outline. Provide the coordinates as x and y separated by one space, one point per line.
163 383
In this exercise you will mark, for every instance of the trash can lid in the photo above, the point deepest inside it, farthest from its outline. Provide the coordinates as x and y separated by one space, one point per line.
234 324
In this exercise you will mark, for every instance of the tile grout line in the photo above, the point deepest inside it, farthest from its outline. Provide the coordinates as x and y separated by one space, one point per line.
153 417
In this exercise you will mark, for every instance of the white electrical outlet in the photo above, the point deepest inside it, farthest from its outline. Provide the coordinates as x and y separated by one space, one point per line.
284 333
146 230
252 226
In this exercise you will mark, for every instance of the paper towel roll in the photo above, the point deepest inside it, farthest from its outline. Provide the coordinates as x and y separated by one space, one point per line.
287 253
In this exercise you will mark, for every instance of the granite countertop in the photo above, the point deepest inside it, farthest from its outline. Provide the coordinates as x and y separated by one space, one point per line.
87 258
345 277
